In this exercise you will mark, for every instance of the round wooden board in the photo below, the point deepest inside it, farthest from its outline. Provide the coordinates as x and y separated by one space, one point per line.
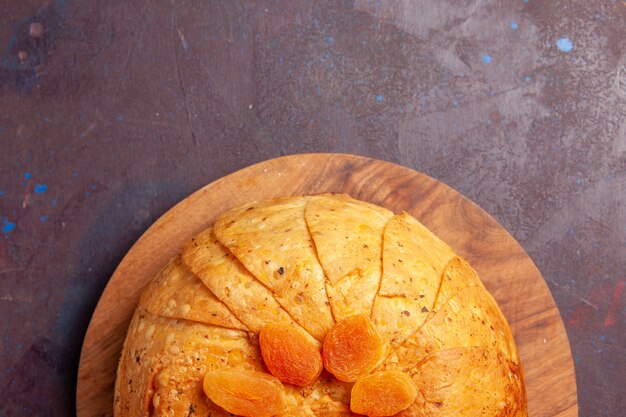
506 269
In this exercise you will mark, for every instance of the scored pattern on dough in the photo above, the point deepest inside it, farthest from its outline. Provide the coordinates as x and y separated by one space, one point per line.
413 262
457 276
179 294
272 241
348 238
470 318
249 300
461 381
252 270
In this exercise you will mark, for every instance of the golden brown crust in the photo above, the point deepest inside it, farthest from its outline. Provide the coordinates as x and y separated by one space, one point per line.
277 262
333 409
249 300
413 263
471 318
469 382
271 239
348 238
177 293
325 394
457 275
164 361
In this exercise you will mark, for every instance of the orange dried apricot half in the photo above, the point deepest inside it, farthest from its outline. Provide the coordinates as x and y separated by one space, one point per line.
352 348
245 393
289 355
383 394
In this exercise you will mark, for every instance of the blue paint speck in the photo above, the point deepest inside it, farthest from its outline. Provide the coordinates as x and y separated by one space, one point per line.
380 98
47 119
327 55
41 188
528 78
7 226
3 193
514 25
330 39
579 181
121 118
43 218
525 1
486 59
455 103
53 202
93 185
28 175
74 173
564 45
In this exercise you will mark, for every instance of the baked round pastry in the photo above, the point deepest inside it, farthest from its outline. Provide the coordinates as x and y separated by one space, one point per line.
318 306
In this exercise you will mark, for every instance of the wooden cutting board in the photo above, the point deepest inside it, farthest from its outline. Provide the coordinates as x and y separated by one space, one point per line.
507 271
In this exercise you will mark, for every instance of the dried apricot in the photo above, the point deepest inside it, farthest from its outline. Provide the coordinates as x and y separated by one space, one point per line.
352 348
245 393
383 394
289 355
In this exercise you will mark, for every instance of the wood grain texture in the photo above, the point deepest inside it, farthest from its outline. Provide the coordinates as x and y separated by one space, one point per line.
504 267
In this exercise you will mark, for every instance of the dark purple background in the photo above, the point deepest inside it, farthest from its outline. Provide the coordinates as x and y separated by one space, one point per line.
121 109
